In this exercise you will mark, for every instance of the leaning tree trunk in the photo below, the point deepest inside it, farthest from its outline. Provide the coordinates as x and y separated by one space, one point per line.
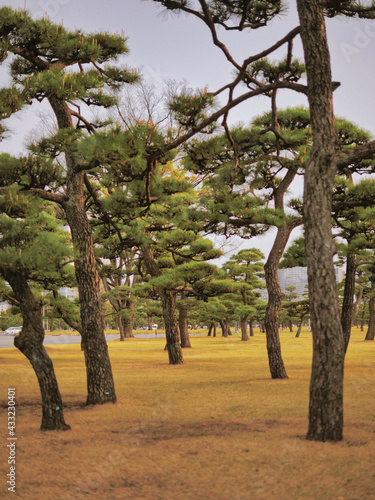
243 324
100 383
275 299
30 343
326 386
347 304
370 334
120 328
183 325
300 327
357 306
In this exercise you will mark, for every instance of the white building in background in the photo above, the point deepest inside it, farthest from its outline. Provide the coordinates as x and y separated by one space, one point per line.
297 276
4 306
69 293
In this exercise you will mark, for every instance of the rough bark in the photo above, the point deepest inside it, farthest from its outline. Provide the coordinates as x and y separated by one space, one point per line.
326 386
30 343
348 300
224 331
168 301
100 383
370 334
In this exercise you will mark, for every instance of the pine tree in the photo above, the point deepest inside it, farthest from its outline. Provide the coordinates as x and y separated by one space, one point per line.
67 70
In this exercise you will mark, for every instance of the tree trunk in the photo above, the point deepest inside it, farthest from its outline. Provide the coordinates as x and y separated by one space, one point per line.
300 327
227 326
251 326
326 386
30 343
224 331
370 334
275 298
183 326
347 303
357 306
290 326
120 328
100 383
210 330
127 322
168 300
150 322
243 323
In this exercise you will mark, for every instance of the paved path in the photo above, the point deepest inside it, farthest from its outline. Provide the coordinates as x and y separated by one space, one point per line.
8 340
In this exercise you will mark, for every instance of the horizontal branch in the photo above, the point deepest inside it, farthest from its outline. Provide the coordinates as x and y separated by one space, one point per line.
362 152
55 197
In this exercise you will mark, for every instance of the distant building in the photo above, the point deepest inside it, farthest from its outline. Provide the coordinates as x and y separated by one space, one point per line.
69 293
297 276
4 306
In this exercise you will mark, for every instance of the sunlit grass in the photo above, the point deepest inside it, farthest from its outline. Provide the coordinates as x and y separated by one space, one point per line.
215 427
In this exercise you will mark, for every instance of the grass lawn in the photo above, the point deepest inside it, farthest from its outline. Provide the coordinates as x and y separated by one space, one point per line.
216 427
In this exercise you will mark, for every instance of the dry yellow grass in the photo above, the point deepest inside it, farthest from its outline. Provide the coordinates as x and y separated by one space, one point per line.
215 428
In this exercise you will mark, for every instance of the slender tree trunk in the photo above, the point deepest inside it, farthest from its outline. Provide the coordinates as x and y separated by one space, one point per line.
275 298
243 323
290 326
227 326
30 343
120 328
100 383
357 306
183 326
150 322
210 330
251 326
214 329
347 304
370 334
168 301
326 386
300 327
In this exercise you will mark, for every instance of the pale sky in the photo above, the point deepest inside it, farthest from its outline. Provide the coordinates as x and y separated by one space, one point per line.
170 47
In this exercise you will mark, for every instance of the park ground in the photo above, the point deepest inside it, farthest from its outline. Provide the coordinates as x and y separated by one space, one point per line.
216 427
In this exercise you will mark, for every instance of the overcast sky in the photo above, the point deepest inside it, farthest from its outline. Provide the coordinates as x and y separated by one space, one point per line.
180 47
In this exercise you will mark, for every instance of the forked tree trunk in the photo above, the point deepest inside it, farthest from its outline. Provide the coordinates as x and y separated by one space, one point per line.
370 334
243 324
326 386
30 343
100 383
348 300
183 326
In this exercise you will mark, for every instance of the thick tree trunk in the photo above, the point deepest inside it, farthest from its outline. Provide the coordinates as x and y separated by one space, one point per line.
30 343
370 334
210 330
127 322
326 386
347 304
183 326
243 324
100 383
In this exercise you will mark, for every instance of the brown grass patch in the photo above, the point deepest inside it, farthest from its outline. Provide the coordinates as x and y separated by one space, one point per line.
216 427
